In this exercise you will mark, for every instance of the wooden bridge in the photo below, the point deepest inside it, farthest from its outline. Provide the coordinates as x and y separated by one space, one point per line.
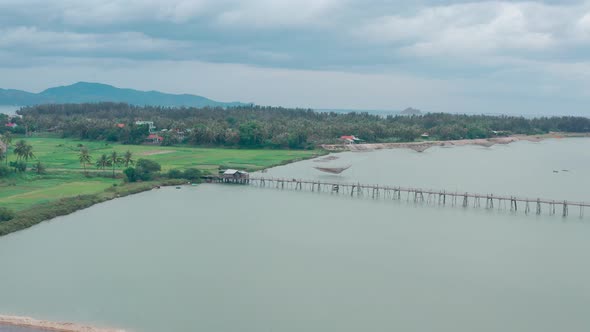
426 196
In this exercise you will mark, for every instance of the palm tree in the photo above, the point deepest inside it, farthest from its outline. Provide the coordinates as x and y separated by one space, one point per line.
7 139
114 160
102 162
127 159
23 150
85 158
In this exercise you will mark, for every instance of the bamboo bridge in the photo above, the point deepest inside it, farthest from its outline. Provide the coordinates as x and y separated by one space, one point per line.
426 196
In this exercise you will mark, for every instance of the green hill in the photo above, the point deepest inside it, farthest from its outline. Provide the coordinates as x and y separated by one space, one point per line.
84 92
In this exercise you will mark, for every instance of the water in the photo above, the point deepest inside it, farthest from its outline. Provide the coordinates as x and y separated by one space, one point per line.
9 109
227 258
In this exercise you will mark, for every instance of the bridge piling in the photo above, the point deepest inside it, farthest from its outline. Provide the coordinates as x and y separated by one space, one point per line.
417 195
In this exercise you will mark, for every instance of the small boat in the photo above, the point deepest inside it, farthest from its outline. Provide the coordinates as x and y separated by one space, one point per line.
333 170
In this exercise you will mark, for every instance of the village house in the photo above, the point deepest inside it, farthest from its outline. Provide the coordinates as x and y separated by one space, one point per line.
351 139
154 139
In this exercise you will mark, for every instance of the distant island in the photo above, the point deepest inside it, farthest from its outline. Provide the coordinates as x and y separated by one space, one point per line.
410 111
84 92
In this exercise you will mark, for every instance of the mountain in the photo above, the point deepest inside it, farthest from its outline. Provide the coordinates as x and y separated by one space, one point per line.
411 111
84 92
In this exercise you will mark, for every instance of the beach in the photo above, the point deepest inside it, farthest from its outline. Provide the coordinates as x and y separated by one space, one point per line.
424 145
51 326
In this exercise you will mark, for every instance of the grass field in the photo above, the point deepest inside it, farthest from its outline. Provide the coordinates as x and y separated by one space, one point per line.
66 179
21 192
62 154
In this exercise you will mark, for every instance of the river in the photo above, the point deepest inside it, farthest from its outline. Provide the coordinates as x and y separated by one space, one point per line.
229 258
8 109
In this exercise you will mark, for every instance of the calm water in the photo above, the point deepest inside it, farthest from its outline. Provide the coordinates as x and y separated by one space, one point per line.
10 110
235 258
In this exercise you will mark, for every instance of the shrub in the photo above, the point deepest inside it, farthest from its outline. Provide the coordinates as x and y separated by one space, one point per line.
4 171
145 169
6 214
192 174
149 166
130 174
175 174
19 166
38 168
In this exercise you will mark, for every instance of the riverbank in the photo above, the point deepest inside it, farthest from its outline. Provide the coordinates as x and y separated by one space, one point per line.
64 206
51 326
424 145
67 186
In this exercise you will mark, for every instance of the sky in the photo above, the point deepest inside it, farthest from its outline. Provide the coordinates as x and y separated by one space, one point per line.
510 57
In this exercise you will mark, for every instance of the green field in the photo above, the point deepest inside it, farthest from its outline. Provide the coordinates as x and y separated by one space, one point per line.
21 192
65 177
62 154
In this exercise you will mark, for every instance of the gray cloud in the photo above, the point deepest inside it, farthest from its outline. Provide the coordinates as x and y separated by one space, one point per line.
467 44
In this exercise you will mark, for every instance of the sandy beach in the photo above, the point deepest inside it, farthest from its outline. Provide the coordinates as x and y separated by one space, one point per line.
424 145
51 326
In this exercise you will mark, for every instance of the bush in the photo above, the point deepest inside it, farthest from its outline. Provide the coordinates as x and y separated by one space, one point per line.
149 166
130 174
145 169
175 174
192 174
39 168
6 214
19 166
4 171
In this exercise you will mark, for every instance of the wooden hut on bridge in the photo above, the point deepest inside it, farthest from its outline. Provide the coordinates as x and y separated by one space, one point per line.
235 176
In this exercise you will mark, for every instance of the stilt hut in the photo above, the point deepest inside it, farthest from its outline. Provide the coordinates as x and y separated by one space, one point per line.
235 176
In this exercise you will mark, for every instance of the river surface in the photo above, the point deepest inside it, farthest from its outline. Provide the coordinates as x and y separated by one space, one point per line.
239 258
9 109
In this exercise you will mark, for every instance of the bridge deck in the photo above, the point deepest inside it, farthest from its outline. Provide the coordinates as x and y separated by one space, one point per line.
418 194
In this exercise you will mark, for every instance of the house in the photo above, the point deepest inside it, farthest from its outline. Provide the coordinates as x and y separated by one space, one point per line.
349 139
120 125
154 139
235 176
425 135
11 125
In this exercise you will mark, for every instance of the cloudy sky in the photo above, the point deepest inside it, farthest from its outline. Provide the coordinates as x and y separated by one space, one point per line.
452 56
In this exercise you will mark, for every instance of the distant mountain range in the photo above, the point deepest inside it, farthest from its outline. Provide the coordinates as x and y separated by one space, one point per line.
84 92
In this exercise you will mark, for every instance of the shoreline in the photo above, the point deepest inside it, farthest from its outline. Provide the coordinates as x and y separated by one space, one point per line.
65 206
21 321
424 145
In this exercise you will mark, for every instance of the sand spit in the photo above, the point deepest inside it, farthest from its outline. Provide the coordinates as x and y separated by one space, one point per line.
422 146
51 326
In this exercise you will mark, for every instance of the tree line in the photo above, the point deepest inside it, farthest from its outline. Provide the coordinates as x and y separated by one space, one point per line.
274 127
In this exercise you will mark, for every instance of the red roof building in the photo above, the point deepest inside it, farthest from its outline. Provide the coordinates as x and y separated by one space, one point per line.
11 125
349 139
154 138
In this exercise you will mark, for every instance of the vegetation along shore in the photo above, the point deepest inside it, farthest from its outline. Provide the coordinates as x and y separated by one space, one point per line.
56 159
67 183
